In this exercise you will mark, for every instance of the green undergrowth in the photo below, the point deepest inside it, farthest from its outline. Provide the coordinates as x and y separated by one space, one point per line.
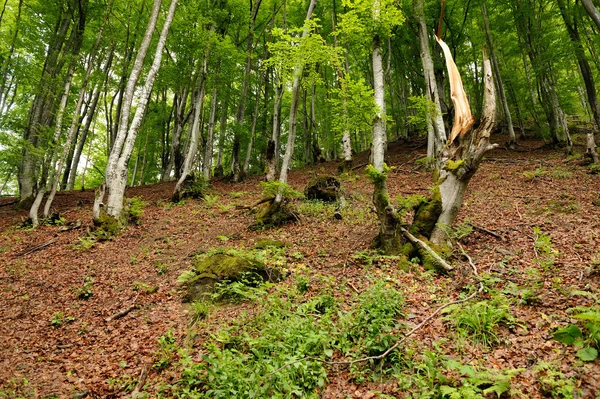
283 348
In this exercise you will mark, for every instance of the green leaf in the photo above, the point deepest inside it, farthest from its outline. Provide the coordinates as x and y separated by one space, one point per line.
446 390
498 388
588 354
328 352
568 335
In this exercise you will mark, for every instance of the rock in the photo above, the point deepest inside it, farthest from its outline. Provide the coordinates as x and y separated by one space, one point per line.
325 188
222 267
267 242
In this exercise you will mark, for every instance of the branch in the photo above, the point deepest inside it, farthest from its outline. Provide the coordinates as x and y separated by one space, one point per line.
420 244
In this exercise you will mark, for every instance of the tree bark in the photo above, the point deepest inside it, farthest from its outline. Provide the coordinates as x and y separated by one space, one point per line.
435 140
289 151
208 148
461 158
195 129
586 73
252 130
116 169
592 12
512 139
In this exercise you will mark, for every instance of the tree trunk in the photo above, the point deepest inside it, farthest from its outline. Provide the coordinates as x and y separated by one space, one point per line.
74 122
512 139
222 133
6 64
438 136
586 73
194 131
592 12
235 156
252 130
180 103
81 143
462 157
116 169
208 148
272 155
289 151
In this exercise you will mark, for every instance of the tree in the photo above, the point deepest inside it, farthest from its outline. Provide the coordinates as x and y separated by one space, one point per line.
116 169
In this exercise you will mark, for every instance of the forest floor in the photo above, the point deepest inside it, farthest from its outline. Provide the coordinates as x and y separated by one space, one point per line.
53 343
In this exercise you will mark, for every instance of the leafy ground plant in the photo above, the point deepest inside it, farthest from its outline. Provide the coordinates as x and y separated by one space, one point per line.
586 338
479 321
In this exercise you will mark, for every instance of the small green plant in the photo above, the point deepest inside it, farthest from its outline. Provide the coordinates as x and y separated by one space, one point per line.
135 209
162 269
586 338
59 318
166 351
303 284
554 383
371 327
316 208
459 232
211 200
237 194
85 243
144 287
561 173
544 253
199 310
594 169
479 321
250 287
86 292
538 172
125 384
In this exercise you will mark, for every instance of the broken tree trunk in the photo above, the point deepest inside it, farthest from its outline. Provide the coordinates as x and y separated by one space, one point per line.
465 150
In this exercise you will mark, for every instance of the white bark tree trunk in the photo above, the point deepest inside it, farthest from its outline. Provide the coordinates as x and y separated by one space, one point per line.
208 150
379 124
289 151
512 138
195 129
436 128
273 145
51 157
116 169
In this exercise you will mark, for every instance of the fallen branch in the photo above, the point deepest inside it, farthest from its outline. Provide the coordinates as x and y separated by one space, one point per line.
123 312
490 232
36 248
141 381
9 203
420 244
408 334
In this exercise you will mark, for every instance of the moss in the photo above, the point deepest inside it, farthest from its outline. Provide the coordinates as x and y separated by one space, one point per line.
377 176
408 250
426 215
225 267
267 242
207 271
271 215
404 264
107 226
452 166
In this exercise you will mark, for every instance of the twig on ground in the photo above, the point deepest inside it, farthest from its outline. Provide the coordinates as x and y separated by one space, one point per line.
36 248
490 232
125 311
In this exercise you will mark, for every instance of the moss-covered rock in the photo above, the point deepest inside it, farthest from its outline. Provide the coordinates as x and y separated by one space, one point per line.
267 242
207 271
272 214
325 188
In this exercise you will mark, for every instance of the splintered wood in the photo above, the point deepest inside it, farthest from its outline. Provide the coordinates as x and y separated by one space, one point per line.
463 119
